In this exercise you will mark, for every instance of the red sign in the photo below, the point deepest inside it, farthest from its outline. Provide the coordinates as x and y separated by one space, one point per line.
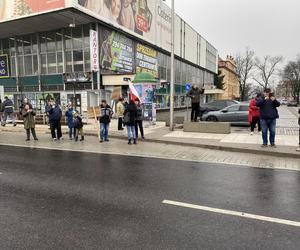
142 24
44 5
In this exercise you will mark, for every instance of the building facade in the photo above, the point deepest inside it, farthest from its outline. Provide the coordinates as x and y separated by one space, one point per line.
231 80
82 50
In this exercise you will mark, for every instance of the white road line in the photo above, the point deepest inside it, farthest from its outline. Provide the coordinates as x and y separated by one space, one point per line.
233 213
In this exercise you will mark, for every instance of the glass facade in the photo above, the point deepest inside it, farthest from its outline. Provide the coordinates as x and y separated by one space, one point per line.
54 53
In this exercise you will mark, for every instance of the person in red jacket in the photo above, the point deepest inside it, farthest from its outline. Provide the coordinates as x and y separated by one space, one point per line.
254 114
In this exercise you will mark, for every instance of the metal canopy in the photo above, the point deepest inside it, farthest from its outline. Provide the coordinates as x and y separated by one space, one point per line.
43 22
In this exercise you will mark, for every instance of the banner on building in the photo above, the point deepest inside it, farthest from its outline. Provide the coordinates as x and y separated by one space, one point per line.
4 67
146 60
116 53
10 9
94 49
149 18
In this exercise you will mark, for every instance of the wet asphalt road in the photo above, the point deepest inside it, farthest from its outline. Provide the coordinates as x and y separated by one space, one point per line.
66 200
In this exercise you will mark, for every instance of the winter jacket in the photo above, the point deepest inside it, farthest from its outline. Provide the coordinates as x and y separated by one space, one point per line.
131 113
254 111
28 118
70 118
139 116
8 106
78 124
268 108
105 114
120 109
195 94
54 112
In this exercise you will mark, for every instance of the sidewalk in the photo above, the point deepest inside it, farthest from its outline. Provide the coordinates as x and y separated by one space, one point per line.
235 142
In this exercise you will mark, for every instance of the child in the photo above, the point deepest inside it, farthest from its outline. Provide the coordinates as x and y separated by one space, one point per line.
78 125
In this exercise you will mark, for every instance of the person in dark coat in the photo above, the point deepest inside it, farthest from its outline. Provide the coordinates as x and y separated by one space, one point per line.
8 109
139 119
78 125
70 120
130 116
195 95
268 114
105 118
55 114
28 115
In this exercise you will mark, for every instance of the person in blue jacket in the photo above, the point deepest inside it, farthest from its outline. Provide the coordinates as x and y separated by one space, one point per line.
70 120
55 114
268 114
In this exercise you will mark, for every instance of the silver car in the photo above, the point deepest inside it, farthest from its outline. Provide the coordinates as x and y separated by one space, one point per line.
236 114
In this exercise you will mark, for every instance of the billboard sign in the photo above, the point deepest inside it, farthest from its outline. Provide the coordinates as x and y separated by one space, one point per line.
4 67
150 19
117 52
146 60
94 49
10 9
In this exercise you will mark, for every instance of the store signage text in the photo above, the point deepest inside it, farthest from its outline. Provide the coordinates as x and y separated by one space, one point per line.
94 50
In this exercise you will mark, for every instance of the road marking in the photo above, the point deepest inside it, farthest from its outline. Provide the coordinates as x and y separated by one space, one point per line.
233 213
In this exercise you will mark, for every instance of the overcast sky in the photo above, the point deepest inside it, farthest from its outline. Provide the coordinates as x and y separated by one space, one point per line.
269 27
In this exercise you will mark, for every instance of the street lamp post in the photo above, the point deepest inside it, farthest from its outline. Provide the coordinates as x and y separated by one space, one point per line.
172 65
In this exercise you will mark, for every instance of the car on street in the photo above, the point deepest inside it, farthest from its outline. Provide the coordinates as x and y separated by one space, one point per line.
292 103
236 114
215 106
284 102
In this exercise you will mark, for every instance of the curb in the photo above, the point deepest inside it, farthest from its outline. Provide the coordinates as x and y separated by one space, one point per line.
205 146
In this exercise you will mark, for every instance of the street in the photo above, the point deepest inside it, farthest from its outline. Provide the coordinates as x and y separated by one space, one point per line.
53 199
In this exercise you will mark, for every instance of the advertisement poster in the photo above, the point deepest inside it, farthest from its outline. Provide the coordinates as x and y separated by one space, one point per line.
116 53
4 68
17 8
148 18
146 60
147 95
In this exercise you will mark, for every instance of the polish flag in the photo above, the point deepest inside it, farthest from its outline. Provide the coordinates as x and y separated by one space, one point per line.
133 93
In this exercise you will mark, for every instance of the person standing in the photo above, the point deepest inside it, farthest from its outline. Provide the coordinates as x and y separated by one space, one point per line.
70 120
78 126
268 114
29 121
254 114
105 118
139 119
8 110
55 114
120 113
130 116
195 95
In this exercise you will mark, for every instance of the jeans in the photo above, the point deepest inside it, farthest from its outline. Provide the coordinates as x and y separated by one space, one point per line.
139 125
255 120
104 131
72 133
131 130
195 111
268 125
10 116
55 125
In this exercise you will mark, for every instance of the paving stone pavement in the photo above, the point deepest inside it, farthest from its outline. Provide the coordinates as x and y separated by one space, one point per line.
155 150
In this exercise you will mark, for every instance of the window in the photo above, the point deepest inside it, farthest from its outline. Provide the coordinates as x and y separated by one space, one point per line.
244 108
234 108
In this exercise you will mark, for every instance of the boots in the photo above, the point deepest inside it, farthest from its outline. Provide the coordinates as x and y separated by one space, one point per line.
76 138
82 138
134 141
129 141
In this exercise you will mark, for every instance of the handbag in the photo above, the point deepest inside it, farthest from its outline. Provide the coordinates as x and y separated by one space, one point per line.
126 118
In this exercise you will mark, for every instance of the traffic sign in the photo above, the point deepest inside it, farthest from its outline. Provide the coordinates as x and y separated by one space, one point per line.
187 87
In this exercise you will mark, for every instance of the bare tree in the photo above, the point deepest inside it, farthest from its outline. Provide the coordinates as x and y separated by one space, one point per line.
245 65
266 69
291 74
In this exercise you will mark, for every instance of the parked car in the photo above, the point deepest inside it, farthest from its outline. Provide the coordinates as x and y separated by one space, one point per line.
284 102
292 103
215 106
236 114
